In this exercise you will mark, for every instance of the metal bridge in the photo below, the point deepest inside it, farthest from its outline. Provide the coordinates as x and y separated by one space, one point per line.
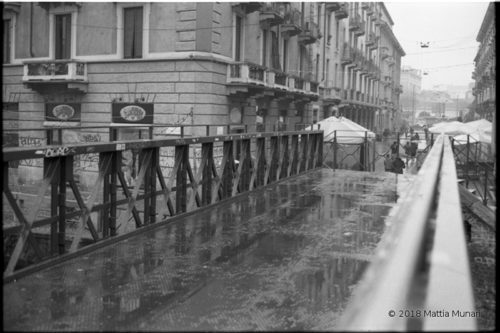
62 226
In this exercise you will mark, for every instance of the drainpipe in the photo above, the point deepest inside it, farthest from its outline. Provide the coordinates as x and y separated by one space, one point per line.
31 30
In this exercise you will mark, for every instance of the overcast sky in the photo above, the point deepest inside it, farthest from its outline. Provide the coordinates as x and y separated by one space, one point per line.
450 28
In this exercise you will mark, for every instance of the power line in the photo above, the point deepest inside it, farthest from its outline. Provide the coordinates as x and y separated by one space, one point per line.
443 50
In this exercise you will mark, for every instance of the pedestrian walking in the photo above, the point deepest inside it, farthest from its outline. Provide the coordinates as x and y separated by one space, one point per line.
407 148
413 150
398 165
388 163
394 148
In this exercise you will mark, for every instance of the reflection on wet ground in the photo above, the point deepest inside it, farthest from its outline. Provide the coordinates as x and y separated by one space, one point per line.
283 258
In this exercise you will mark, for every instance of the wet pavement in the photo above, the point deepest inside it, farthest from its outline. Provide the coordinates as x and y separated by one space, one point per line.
283 258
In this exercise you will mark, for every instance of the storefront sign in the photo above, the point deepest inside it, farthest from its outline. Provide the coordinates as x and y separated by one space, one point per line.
133 113
68 112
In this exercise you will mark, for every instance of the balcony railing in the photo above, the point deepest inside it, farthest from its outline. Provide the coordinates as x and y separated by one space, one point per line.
246 73
313 87
310 33
292 22
280 79
332 6
371 40
343 11
66 74
272 13
384 52
370 10
347 54
242 75
354 22
248 7
63 70
331 94
298 83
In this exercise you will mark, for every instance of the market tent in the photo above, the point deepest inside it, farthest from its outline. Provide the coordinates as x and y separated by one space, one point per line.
451 128
480 131
346 130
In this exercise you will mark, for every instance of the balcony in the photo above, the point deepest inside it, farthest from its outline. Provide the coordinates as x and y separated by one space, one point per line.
310 33
354 22
332 6
357 25
280 80
248 7
331 94
13 7
377 20
246 74
56 74
370 10
384 52
272 13
292 23
371 40
343 11
390 60
347 55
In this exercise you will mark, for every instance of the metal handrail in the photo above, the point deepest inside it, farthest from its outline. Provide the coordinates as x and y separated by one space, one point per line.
425 241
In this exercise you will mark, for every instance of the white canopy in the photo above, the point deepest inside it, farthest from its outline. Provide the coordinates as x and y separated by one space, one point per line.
451 128
347 131
480 131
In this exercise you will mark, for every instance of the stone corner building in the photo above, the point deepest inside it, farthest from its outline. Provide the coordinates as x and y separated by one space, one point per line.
259 65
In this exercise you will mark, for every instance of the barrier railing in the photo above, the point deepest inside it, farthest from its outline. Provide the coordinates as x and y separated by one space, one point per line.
420 277
57 215
474 163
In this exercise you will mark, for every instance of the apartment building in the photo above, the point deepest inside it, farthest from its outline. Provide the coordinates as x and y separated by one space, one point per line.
263 65
411 82
91 64
361 61
484 72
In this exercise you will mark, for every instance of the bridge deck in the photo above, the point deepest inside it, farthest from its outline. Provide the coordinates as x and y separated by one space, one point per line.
284 257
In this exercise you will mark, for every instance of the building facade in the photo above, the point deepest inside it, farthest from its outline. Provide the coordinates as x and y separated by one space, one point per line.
266 66
484 73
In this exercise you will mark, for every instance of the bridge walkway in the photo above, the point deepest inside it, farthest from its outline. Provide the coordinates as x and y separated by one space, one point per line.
286 256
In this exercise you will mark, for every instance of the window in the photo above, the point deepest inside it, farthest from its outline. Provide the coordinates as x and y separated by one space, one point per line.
6 41
264 48
317 68
327 72
337 28
63 36
335 75
329 27
285 55
132 23
238 38
275 55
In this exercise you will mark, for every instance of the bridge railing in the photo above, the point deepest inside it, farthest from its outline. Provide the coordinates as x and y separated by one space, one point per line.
50 213
420 277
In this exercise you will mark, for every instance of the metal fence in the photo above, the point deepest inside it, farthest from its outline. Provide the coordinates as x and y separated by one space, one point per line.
475 167
50 212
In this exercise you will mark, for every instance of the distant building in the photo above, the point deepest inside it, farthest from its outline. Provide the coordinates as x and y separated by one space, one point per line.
411 81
